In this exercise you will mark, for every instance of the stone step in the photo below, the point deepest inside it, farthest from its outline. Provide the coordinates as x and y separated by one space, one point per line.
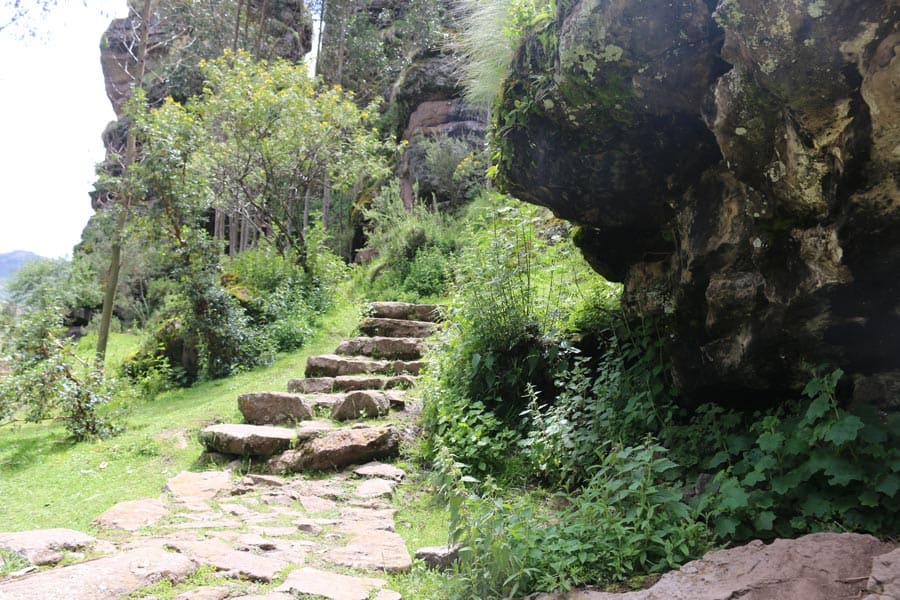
399 328
340 448
406 311
274 408
366 403
247 440
383 347
332 365
395 399
349 383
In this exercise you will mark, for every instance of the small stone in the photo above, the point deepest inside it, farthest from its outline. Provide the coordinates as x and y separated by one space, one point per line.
45 546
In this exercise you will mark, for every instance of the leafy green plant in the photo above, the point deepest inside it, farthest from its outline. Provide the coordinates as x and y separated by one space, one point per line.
48 380
807 468
629 519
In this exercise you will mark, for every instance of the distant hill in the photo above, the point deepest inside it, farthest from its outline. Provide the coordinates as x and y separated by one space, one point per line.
11 261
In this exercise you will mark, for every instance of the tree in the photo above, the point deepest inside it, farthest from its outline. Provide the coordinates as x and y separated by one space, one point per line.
115 259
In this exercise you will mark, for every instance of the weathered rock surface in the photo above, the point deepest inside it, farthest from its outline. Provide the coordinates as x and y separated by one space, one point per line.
375 550
364 403
814 567
375 488
332 365
273 408
110 577
340 448
133 514
247 440
735 164
396 327
233 563
46 546
329 585
405 310
884 581
378 469
349 383
383 347
188 486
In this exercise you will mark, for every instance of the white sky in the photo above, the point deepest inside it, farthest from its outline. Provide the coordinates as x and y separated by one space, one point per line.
53 109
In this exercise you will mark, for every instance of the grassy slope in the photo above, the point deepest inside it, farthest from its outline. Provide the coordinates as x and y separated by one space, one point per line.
46 481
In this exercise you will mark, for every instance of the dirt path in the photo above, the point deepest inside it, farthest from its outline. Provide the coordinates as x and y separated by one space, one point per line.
319 509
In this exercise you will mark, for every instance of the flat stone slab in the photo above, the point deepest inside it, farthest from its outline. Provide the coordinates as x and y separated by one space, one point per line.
133 514
391 348
233 563
340 448
356 521
190 486
375 488
273 408
361 404
219 592
329 585
311 429
247 440
46 546
114 576
332 365
376 550
380 469
405 310
396 328
349 383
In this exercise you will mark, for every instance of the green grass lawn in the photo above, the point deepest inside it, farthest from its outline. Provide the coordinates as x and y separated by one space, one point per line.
47 481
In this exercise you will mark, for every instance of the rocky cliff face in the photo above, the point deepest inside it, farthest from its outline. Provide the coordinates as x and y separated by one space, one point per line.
737 165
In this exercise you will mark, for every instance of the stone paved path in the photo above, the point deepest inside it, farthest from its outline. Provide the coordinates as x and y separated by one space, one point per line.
322 513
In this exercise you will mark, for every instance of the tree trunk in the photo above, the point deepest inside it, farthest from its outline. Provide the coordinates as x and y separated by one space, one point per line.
115 258
237 26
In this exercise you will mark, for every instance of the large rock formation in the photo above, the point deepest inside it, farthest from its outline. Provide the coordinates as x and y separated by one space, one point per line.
737 165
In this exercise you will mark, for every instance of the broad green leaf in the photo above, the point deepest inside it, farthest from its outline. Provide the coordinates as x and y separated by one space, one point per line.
817 409
726 526
764 520
770 441
889 485
719 458
841 471
869 498
734 497
844 430
816 505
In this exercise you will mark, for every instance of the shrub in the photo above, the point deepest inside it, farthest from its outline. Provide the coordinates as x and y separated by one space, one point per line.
628 520
48 380
805 467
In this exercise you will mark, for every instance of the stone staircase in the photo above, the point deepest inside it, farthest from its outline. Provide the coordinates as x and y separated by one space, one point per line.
332 536
365 378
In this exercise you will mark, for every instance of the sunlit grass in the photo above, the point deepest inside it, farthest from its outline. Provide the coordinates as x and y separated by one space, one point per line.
47 481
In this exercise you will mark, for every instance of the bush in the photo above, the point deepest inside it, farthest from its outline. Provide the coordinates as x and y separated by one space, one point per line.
415 249
48 380
628 520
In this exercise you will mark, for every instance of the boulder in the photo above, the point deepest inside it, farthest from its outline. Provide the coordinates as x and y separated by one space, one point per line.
383 347
396 327
884 581
364 403
247 440
734 164
340 448
816 566
272 408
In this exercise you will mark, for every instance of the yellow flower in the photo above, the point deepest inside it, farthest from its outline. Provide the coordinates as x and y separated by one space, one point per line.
169 100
